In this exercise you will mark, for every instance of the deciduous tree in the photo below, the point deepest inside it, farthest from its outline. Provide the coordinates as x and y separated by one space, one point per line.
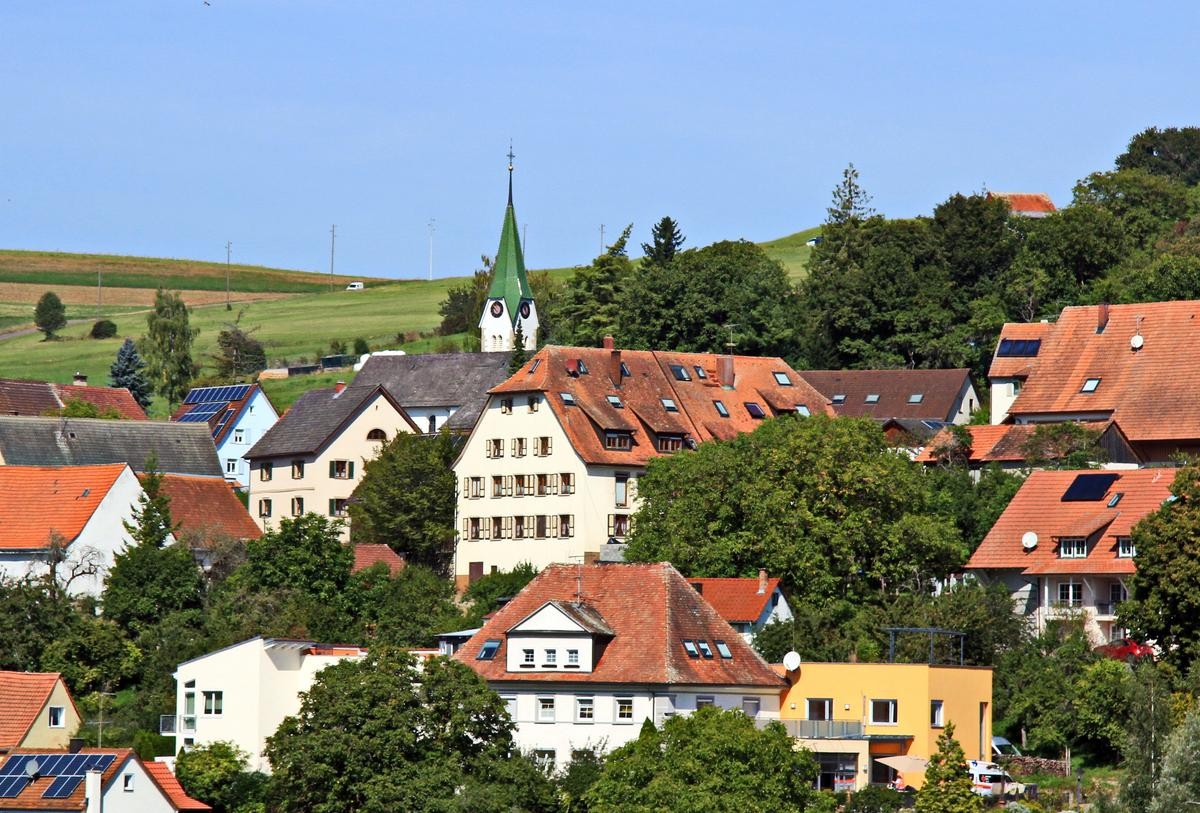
1179 783
50 315
167 347
1173 152
217 773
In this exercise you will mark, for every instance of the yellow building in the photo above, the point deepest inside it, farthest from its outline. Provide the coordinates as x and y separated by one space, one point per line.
852 714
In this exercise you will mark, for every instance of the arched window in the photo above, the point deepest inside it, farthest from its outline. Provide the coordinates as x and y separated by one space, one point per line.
376 434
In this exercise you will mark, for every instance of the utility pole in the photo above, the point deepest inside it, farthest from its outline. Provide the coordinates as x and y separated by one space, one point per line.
228 254
99 288
332 240
99 723
431 231
601 238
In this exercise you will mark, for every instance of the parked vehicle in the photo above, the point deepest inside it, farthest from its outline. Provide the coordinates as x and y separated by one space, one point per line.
1126 649
1001 747
989 779
354 286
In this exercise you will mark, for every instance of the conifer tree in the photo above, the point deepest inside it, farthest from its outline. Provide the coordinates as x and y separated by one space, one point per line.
126 372
519 355
947 787
665 241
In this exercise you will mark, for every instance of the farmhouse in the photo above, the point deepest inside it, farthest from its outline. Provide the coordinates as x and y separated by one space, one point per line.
238 415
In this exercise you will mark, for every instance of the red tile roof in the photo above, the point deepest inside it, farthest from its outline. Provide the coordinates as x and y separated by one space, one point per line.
1018 366
1038 507
651 608
23 695
37 502
736 600
1024 203
160 772
941 392
207 507
1145 391
552 371
1000 443
35 398
30 798
367 555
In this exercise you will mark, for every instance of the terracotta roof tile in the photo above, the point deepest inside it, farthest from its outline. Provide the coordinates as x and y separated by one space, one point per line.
23 695
940 391
31 797
160 772
1026 202
736 600
999 443
36 502
35 398
1038 506
1018 366
650 380
207 507
119 400
651 608
366 555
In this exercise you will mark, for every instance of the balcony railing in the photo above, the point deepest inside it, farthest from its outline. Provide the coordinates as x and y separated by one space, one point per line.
824 729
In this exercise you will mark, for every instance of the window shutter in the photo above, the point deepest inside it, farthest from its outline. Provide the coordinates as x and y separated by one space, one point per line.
466 490
350 468
508 486
553 483
549 444
332 505
485 531
570 525
508 528
514 447
611 524
466 533
332 469
552 526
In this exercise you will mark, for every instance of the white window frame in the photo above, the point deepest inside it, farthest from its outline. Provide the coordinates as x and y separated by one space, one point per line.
1072 547
893 708
572 657
937 714
585 709
620 703
1074 593
1125 547
239 435
56 713
546 713
214 702
231 465
749 703
550 658
827 702
127 783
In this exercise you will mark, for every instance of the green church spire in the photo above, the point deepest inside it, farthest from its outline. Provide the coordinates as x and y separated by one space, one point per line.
509 281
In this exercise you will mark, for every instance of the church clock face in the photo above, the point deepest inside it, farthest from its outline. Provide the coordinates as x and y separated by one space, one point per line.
497 309
524 310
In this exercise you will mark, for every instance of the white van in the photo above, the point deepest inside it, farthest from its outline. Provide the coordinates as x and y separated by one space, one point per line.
354 286
989 779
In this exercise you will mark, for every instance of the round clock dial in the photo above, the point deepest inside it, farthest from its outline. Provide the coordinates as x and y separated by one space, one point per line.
497 309
524 310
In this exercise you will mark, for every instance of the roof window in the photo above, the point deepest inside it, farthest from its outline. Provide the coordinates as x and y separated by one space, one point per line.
705 649
581 366
700 372
872 398
1090 385
721 409
782 379
488 651
1114 499
723 649
689 646
840 398
916 398
803 410
680 372
567 398
755 410
615 401
669 405
534 366
625 371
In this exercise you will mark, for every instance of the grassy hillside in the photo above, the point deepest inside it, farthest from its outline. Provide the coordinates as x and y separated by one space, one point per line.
792 251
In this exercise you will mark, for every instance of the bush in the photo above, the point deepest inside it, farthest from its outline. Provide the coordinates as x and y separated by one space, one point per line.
361 348
875 799
104 329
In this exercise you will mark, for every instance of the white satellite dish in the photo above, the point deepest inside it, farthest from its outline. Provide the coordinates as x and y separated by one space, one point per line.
791 661
32 768
1136 341
1029 540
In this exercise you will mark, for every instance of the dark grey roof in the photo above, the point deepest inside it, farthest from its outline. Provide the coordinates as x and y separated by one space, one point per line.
316 416
459 380
181 448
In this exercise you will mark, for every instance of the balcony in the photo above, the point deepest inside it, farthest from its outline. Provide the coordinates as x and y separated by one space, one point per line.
171 725
824 729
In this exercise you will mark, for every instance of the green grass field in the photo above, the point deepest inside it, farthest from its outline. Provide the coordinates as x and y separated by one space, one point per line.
792 252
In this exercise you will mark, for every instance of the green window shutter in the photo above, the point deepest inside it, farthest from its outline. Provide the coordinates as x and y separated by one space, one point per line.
350 468
332 469
332 506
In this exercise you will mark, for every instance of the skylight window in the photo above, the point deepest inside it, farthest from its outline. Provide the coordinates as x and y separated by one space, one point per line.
721 409
689 646
755 410
700 372
705 649
669 405
839 398
723 649
803 410
782 379
1090 385
567 398
625 371
534 366
1115 498
488 651
873 398
582 367
916 398
680 372
616 402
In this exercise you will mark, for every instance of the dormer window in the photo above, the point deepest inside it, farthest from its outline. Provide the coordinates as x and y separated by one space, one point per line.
615 402
680 372
1090 385
670 443
782 379
689 646
723 649
669 405
619 441
1072 547
1125 547
488 651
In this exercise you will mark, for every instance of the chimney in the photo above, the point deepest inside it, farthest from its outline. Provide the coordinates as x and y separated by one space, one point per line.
338 387
92 792
80 380
608 343
1102 317
725 371
614 360
762 581
75 745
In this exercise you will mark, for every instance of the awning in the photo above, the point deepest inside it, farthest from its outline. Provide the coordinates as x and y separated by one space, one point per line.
905 764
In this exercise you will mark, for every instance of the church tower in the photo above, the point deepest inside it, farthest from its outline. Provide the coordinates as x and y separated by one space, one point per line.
509 306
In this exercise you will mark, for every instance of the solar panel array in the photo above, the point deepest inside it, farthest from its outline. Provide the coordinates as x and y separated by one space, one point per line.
225 394
1089 487
67 769
1018 348
200 413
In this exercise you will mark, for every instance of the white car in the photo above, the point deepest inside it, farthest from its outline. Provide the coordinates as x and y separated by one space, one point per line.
354 286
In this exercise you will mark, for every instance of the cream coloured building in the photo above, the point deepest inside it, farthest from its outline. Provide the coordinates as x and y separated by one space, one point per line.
36 711
313 458
549 473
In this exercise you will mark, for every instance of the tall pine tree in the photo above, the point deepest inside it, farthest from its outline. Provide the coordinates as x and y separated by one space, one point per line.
665 241
126 372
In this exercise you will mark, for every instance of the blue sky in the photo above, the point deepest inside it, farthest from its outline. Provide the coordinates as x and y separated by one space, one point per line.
166 127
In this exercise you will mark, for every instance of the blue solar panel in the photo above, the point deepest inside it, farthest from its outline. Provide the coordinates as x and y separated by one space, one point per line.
225 394
62 787
1018 348
1089 487
11 786
13 766
201 413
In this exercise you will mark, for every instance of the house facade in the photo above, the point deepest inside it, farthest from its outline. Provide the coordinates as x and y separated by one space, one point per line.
242 693
586 653
747 605
36 711
238 416
857 717
1063 545
313 458
549 473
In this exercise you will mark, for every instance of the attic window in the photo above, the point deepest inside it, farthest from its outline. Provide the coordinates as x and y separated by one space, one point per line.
803 410
680 372
705 649
567 398
755 410
721 410
839 398
689 646
1090 385
916 398
782 379
723 649
622 441
872 398
534 366
700 372
1114 499
488 651
669 405
616 402
625 371
583 370
1072 547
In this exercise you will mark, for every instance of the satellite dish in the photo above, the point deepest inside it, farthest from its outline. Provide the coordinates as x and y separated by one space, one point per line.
1029 540
791 661
1136 341
32 768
